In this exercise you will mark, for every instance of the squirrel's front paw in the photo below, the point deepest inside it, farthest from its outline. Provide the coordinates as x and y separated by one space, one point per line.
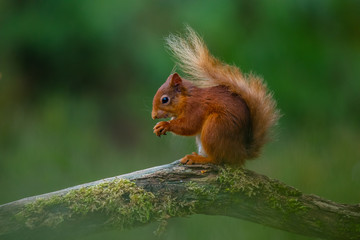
161 128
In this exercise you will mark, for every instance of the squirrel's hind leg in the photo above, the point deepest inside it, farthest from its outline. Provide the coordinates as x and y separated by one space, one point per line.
195 158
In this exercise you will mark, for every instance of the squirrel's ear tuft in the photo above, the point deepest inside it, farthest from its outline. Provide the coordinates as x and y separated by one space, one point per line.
176 81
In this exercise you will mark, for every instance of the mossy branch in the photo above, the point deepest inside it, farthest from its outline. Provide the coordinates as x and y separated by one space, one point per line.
174 190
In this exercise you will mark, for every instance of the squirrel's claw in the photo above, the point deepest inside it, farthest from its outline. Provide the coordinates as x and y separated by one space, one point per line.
187 160
161 128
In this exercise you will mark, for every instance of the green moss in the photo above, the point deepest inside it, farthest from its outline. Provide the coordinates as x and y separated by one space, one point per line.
348 224
284 198
284 189
294 205
229 180
234 180
122 202
167 207
276 194
210 192
36 213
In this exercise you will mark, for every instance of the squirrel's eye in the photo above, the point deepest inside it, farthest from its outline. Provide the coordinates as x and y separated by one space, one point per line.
165 100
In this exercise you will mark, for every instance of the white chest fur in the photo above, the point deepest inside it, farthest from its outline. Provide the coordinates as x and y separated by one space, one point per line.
200 148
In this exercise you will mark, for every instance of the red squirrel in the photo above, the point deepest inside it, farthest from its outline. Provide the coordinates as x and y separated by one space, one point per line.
229 113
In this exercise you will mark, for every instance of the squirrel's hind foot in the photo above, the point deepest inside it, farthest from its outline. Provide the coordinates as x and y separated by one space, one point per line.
195 158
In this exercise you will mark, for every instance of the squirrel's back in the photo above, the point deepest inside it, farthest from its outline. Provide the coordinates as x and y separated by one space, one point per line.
204 70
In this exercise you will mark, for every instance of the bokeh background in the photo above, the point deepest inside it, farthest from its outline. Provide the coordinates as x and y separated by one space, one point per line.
78 77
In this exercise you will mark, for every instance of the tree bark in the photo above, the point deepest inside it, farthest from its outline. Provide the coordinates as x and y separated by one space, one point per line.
175 190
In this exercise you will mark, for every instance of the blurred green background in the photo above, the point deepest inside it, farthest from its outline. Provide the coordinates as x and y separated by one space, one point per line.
78 77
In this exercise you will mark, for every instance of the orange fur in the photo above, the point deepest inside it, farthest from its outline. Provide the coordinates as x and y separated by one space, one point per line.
230 113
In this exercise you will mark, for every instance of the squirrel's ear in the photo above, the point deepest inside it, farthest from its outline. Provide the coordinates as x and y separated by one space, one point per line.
176 81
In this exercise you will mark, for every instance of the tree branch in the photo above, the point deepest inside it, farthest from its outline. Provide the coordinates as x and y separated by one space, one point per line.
175 190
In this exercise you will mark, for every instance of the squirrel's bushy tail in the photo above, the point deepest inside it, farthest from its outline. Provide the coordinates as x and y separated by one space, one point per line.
205 70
